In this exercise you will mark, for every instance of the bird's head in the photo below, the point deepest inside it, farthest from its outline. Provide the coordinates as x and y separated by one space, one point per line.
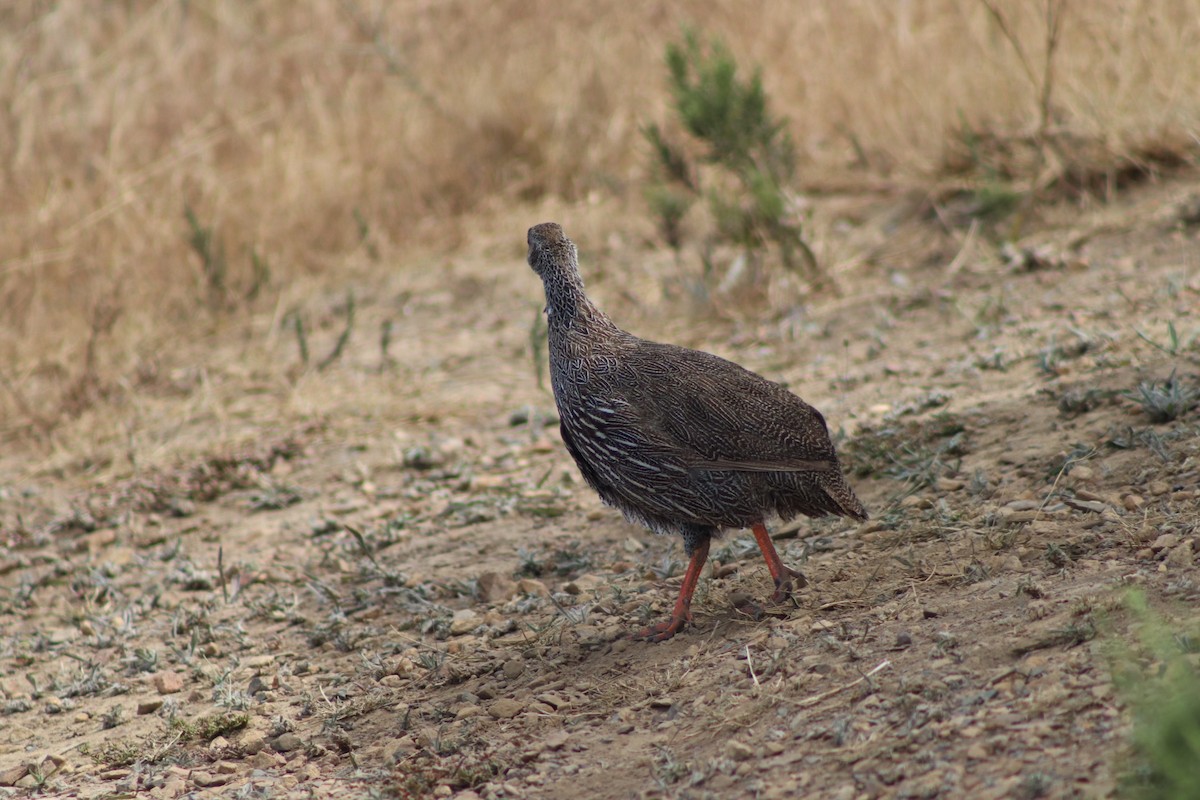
550 251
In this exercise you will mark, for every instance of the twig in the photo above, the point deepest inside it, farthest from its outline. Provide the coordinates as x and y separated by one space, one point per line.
812 701
1063 471
750 664
961 258
221 572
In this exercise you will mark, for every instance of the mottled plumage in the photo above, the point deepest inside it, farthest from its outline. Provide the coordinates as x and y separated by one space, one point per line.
679 440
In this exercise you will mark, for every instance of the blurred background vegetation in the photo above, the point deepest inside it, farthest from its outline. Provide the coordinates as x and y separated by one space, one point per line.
171 167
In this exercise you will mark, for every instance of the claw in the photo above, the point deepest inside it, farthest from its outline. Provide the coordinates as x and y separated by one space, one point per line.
662 631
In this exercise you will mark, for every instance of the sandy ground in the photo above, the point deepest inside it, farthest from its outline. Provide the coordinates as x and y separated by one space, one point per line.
386 578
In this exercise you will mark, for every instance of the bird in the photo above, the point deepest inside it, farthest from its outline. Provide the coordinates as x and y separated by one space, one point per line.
680 441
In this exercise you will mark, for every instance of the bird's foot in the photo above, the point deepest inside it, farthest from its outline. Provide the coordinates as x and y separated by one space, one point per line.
785 586
663 630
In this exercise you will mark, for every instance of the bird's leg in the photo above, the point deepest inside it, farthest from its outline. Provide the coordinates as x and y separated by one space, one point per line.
781 574
682 614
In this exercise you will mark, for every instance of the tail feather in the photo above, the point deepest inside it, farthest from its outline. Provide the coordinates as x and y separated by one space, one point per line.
842 496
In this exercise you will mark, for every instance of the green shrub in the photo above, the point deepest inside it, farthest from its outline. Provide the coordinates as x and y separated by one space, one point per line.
1159 682
744 160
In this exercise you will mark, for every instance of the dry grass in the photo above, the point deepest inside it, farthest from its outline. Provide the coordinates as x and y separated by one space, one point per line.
331 137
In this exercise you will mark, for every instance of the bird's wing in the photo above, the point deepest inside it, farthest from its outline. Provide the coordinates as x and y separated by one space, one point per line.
717 415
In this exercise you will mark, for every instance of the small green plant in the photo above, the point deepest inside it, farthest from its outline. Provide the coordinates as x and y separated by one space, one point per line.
1158 678
212 257
1165 401
747 155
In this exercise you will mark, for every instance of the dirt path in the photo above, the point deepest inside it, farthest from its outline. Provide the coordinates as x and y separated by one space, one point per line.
406 590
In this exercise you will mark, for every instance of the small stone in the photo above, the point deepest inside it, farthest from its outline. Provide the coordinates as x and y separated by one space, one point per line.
513 668
738 751
10 776
555 741
391 681
467 711
532 586
168 682
264 760
1081 472
1158 488
287 742
505 708
149 706
205 779
1165 542
1181 556
913 501
226 767
1094 506
259 662
1010 516
1133 502
584 583
218 744
948 484
464 621
495 588
1022 505
403 666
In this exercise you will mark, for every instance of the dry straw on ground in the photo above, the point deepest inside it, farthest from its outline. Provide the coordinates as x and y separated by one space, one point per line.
329 137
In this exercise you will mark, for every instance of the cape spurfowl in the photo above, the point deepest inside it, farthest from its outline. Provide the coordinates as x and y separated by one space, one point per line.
679 440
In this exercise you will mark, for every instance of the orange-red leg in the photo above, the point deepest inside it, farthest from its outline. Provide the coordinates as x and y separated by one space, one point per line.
682 614
781 574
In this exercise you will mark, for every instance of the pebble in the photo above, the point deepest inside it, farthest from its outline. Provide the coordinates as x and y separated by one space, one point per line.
1133 502
168 682
287 742
738 750
1095 506
584 583
204 779
513 668
149 706
464 621
505 708
468 710
532 586
495 588
1181 556
1158 488
913 501
1165 542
